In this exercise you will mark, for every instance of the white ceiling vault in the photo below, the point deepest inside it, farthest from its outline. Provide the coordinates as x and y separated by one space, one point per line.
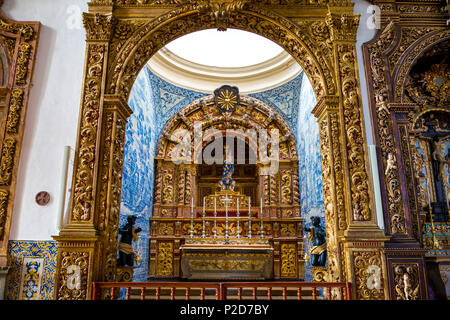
208 59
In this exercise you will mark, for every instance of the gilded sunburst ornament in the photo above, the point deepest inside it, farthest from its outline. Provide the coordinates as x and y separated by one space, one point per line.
226 99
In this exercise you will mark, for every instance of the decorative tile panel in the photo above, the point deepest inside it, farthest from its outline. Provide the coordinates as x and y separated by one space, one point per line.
33 266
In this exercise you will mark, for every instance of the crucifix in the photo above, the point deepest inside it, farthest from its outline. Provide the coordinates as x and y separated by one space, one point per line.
437 158
226 200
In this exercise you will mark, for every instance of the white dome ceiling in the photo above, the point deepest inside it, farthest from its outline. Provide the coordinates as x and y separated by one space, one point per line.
208 59
226 49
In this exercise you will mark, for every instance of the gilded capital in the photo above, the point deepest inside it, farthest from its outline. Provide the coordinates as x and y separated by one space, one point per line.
343 26
98 26
325 104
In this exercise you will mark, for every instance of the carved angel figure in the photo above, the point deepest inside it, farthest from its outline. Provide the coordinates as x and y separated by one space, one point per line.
407 286
357 216
390 163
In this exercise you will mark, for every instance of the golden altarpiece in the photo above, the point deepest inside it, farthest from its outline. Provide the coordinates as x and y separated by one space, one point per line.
122 35
204 229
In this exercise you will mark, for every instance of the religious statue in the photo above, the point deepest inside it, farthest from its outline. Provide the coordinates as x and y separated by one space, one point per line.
317 237
227 182
128 234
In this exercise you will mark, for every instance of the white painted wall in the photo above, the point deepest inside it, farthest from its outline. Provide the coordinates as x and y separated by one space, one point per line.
53 108
51 121
365 33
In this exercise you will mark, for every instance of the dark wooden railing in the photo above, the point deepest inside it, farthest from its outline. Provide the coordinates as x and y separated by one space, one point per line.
220 290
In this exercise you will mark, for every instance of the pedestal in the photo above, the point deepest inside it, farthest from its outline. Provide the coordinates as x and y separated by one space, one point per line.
124 274
3 275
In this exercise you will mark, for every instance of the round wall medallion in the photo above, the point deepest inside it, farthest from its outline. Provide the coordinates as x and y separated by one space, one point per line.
42 198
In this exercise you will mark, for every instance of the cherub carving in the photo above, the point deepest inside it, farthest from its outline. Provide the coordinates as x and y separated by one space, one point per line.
390 163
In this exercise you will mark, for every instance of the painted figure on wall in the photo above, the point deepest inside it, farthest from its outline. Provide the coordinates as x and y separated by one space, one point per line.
128 234
317 236
227 182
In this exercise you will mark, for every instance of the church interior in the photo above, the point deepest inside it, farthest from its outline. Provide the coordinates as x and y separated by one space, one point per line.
224 149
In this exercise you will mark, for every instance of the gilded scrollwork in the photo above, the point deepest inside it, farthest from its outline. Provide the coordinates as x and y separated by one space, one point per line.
354 132
368 275
23 58
7 160
83 198
406 278
249 19
288 260
4 195
286 187
168 189
165 259
15 107
98 26
73 274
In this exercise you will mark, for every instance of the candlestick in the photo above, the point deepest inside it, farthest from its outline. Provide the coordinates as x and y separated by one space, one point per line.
203 220
428 193
192 221
261 216
249 219
446 195
238 234
433 230
446 198
226 216
215 219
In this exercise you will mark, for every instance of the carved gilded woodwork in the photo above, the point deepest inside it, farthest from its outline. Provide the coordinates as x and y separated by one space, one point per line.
403 40
118 45
3 210
165 259
19 42
368 275
407 282
15 106
7 160
73 274
288 260
397 224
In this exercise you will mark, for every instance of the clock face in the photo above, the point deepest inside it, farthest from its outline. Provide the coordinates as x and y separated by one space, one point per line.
226 99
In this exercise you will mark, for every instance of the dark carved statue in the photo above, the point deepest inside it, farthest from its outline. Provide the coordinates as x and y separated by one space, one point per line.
317 237
128 235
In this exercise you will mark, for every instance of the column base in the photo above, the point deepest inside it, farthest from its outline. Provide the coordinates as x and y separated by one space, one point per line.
3 276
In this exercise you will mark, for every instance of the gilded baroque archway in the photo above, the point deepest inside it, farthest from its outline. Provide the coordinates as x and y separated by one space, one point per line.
121 38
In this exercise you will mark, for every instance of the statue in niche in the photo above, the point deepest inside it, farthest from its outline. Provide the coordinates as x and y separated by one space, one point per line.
317 236
227 182
128 234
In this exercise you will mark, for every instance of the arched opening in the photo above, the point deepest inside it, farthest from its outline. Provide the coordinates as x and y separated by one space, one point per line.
292 100
341 137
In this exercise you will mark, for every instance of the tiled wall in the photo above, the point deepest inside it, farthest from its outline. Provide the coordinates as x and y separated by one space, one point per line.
33 265
310 169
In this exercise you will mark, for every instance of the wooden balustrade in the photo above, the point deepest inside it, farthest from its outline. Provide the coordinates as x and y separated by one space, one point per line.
221 290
